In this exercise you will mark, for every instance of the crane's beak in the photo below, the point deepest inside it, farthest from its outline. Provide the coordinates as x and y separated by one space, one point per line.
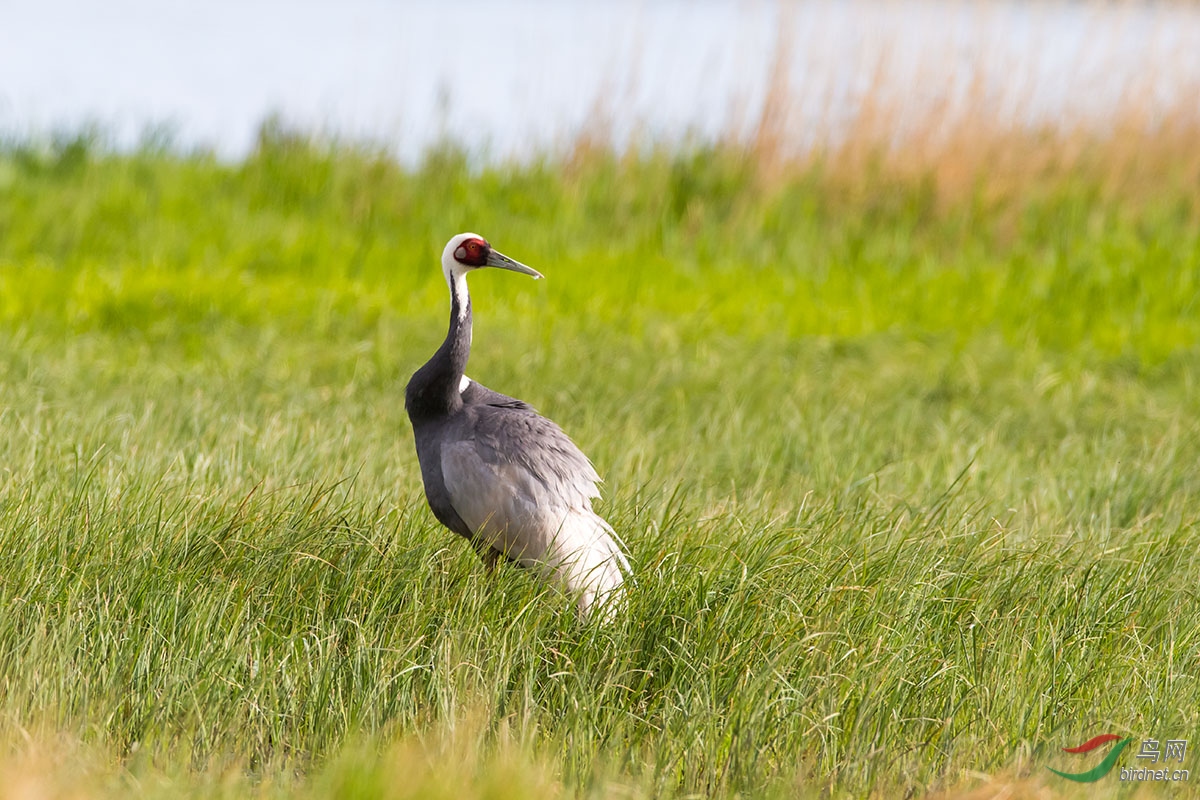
502 261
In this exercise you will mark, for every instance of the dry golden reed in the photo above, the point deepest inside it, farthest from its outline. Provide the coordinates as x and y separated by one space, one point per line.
974 119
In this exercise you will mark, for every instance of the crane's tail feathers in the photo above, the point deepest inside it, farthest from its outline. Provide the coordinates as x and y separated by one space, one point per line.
590 563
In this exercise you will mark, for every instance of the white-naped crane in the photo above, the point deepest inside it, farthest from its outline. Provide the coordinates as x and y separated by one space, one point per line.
498 473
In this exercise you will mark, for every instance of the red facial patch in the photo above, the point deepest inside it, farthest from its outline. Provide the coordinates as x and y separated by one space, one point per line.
472 252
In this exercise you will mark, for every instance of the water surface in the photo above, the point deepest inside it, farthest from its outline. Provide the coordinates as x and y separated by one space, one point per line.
513 77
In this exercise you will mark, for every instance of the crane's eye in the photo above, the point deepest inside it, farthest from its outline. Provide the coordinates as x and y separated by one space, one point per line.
472 252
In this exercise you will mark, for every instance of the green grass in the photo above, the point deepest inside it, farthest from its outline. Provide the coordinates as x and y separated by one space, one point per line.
911 492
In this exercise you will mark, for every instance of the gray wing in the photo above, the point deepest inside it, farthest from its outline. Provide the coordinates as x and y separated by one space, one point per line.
476 394
524 487
520 451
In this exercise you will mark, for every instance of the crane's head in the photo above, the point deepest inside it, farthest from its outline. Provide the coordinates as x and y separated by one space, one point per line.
469 251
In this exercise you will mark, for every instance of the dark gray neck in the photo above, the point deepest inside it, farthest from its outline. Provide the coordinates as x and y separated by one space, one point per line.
433 389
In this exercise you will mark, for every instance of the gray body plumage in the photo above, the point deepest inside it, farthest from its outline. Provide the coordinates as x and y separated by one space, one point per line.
504 477
476 394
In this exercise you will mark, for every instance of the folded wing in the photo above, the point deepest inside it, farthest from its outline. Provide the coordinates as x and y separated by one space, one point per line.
525 489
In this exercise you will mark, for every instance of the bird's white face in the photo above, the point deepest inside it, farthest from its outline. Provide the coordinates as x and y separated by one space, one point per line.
456 260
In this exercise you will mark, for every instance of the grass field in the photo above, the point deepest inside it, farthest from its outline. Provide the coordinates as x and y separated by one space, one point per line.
909 479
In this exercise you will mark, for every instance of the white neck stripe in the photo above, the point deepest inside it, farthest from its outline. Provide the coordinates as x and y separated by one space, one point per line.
458 288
